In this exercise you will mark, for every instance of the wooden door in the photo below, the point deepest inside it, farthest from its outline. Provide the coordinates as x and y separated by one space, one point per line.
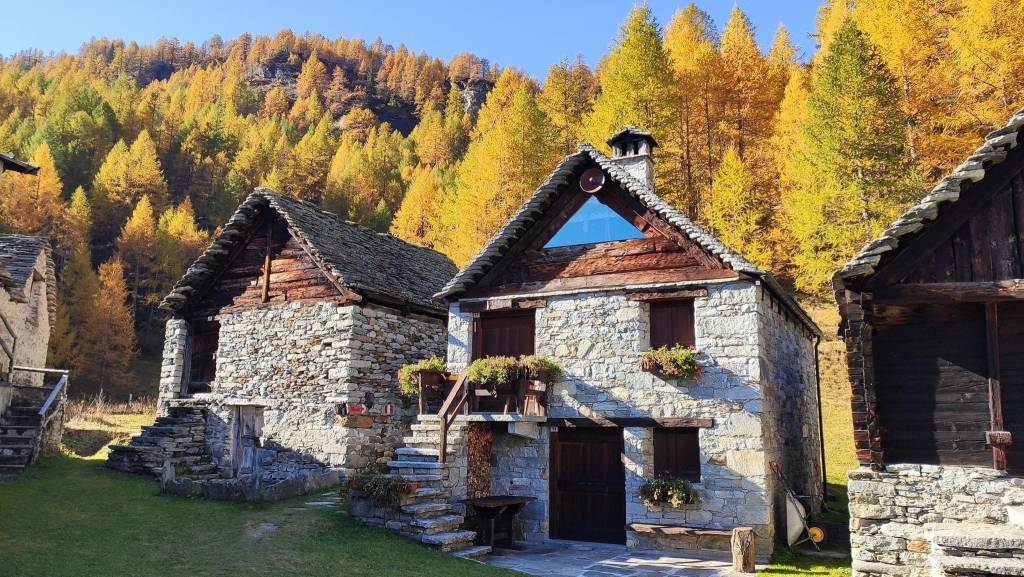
246 439
503 334
1011 368
588 488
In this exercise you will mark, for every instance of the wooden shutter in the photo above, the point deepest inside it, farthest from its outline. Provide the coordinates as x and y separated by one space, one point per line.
672 323
677 453
504 334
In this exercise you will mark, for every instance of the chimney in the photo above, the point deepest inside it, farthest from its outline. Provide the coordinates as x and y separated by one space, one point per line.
632 149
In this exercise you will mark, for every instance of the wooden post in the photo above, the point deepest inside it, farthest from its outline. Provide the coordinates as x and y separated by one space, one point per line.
266 264
744 550
995 437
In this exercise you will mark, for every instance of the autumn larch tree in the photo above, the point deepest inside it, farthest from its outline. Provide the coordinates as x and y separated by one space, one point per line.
854 176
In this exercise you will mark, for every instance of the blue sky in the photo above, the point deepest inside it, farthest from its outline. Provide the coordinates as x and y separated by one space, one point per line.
530 34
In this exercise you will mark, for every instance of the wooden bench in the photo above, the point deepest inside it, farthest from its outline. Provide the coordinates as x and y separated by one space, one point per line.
680 537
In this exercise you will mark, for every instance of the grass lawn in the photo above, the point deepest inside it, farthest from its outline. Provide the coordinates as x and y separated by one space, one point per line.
70 516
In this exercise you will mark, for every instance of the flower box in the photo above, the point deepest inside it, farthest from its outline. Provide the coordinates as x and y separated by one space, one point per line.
668 492
677 362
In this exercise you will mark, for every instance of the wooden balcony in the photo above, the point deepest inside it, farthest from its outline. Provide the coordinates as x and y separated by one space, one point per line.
517 400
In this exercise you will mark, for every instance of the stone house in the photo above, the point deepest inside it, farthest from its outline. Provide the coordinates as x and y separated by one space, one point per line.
933 319
29 298
31 415
281 353
594 269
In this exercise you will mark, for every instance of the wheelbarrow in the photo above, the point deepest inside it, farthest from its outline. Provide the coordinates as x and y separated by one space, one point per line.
800 527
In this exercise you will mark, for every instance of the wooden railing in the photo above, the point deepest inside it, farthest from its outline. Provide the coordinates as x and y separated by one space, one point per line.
8 350
53 404
453 404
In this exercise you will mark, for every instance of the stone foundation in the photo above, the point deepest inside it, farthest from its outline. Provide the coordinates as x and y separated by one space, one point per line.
918 520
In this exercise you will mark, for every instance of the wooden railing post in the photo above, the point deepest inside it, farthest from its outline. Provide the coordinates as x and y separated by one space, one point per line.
451 407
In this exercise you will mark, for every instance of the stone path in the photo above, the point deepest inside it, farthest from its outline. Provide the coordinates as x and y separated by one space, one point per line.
566 559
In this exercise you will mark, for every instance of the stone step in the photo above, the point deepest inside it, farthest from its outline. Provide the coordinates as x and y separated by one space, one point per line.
417 453
14 460
422 495
424 465
438 524
14 450
8 420
22 411
8 440
450 540
980 537
421 479
421 510
474 553
988 566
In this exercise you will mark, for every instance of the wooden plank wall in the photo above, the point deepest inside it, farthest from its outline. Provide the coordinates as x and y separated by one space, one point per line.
989 247
931 383
293 274
615 263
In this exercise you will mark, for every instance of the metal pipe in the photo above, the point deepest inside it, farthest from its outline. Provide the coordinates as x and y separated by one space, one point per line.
821 422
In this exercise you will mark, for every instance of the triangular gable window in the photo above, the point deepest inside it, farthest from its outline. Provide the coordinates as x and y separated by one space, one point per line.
594 222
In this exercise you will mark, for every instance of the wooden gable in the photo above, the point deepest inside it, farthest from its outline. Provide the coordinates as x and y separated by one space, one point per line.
663 255
977 243
294 274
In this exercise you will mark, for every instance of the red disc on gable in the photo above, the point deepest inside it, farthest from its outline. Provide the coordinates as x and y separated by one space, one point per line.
592 180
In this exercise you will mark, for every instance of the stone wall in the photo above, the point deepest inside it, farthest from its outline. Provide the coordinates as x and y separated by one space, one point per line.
598 336
519 466
895 514
788 378
324 375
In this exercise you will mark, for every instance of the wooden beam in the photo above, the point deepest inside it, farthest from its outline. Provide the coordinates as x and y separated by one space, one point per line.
654 422
995 395
666 295
501 305
952 292
606 281
265 296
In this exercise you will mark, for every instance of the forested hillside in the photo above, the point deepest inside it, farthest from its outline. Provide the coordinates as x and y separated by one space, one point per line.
145 150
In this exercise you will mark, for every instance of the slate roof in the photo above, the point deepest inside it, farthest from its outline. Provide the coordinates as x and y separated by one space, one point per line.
548 191
14 165
18 255
942 197
368 262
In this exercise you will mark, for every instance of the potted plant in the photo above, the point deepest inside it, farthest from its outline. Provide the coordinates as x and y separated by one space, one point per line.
541 368
677 362
493 373
666 491
427 373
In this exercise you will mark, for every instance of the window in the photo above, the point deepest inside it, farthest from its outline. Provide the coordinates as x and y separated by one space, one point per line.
503 334
672 324
677 453
593 222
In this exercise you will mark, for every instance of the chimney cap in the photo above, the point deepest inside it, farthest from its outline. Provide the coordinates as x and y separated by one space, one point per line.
631 133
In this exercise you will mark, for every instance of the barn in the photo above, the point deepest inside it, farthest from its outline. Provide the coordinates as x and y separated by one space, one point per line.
933 319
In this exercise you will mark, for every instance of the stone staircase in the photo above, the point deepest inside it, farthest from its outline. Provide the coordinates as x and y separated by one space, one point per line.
19 437
977 550
177 438
427 514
